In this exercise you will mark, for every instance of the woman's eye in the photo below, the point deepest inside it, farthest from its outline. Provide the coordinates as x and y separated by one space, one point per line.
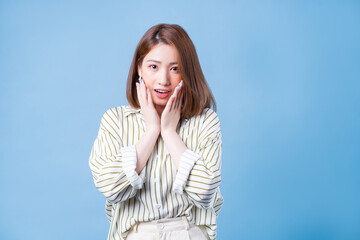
175 68
153 66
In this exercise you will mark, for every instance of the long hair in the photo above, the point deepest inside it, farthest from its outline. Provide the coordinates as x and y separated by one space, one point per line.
196 94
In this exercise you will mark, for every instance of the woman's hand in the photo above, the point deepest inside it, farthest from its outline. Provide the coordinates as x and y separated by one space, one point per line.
151 117
169 121
171 114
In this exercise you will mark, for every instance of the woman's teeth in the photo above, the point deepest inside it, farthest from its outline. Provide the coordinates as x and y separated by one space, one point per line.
160 91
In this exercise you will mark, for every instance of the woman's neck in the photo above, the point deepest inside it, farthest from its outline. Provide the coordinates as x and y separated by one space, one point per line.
159 110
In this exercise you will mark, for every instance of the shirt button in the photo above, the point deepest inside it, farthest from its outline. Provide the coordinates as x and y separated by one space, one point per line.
158 206
161 226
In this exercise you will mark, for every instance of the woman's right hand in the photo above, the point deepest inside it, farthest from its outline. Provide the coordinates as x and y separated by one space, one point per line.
151 117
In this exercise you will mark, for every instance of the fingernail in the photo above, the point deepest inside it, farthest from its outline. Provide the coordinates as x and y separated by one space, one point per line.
147 91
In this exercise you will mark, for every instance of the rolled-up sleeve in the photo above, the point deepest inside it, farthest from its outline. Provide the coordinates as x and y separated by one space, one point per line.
113 166
199 172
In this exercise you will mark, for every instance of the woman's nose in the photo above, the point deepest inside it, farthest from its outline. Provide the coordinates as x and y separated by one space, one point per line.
164 78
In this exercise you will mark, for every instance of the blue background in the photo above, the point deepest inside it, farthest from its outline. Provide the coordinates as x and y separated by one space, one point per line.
285 75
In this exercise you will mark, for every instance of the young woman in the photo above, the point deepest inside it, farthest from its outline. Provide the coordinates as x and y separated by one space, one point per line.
158 160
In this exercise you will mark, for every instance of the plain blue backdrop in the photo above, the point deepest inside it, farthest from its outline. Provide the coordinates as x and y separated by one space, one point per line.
285 75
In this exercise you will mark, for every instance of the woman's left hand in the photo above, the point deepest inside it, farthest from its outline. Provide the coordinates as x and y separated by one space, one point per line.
171 115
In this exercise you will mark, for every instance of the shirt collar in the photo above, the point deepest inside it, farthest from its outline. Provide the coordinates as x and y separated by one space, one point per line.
130 110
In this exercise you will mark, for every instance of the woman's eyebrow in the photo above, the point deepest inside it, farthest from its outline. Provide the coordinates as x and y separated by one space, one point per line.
152 60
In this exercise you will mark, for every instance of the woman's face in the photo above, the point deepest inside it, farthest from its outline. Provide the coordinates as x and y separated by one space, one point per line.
160 72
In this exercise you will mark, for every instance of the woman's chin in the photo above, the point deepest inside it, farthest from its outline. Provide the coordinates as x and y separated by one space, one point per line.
160 101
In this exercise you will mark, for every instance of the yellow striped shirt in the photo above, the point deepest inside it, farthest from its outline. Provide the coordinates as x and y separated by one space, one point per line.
160 191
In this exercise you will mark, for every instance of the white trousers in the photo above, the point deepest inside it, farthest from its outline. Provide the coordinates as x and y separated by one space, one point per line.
167 229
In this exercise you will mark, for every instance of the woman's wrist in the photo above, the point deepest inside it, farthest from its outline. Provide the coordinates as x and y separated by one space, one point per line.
153 131
168 133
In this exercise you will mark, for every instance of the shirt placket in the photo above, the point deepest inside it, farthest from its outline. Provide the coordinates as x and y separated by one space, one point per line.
157 181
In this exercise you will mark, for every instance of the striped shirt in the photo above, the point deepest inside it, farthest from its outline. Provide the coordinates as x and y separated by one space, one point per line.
160 190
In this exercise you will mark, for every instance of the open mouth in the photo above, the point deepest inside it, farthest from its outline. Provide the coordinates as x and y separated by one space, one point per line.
161 93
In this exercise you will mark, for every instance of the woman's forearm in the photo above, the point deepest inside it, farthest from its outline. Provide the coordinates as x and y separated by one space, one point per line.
175 146
144 147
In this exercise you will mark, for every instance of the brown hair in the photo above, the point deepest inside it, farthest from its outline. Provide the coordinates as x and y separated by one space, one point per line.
196 93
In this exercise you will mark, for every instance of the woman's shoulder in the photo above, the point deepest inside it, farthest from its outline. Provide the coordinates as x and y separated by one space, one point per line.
206 117
205 125
116 114
209 114
208 111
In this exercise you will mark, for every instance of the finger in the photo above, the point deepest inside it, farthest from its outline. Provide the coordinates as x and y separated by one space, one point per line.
149 98
176 99
176 93
173 103
179 99
170 102
143 91
140 98
179 95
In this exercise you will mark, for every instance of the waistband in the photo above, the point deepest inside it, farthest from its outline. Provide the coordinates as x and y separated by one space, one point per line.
164 225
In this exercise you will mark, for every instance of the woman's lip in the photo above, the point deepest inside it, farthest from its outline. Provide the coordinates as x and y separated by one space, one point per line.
162 95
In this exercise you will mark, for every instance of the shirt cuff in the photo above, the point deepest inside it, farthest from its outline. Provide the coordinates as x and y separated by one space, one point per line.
129 164
187 161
